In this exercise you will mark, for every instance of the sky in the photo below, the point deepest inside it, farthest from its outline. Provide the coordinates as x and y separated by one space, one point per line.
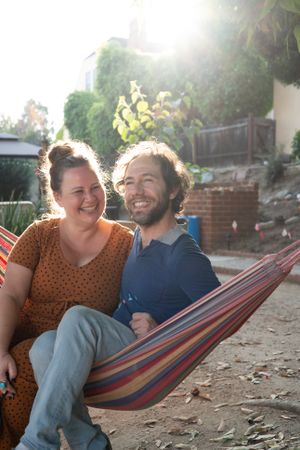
44 42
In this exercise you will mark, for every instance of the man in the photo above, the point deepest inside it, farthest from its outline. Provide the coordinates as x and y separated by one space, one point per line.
165 272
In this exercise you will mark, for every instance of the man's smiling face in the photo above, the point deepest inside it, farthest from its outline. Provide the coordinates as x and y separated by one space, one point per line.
146 195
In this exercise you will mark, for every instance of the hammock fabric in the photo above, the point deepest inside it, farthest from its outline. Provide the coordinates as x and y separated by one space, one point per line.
147 370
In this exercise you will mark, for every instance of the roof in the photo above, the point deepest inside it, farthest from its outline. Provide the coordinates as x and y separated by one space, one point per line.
10 145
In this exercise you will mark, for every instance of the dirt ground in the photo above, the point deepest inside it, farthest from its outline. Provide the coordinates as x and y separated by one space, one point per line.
262 360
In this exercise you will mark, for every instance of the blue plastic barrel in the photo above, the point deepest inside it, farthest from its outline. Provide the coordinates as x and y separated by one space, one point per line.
193 227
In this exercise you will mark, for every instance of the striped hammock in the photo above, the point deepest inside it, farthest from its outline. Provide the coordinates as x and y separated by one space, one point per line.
147 370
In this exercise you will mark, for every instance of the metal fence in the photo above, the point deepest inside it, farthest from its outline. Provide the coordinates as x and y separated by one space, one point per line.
245 142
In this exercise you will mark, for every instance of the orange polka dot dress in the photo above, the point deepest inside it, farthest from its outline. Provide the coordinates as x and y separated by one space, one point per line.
56 286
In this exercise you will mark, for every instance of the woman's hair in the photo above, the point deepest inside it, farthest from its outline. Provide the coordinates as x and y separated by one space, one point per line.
59 157
172 168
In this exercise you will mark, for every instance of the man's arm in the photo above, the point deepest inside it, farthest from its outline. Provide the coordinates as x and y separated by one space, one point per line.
195 276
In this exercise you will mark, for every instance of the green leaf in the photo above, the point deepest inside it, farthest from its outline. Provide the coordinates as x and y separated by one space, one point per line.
115 123
297 36
132 139
142 106
162 95
133 86
145 118
134 125
127 114
124 135
122 102
134 97
150 125
121 129
187 101
267 8
292 6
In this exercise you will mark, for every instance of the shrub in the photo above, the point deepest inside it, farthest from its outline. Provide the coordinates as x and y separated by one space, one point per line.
275 169
296 145
16 216
16 176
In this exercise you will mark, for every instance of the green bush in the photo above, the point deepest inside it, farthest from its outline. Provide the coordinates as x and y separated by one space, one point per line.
275 170
103 138
76 109
16 176
16 217
296 145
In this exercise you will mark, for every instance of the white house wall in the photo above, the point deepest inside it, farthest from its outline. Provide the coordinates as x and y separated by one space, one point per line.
86 79
286 113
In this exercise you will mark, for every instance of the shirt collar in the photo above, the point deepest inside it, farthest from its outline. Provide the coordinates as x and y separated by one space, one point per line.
170 236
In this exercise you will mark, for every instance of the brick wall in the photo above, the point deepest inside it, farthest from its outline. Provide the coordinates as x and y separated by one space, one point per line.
218 206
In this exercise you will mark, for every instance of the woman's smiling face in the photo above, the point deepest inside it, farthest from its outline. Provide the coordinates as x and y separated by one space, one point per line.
82 195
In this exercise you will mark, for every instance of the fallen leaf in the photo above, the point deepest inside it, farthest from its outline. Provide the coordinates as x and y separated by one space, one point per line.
206 383
205 396
221 426
223 366
150 422
177 394
264 437
195 391
246 411
220 405
193 434
186 419
175 431
258 419
280 435
226 437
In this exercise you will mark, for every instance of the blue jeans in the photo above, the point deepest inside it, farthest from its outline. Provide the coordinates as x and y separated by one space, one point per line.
61 362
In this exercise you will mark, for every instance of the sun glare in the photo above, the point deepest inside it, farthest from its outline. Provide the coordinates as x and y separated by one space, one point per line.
171 21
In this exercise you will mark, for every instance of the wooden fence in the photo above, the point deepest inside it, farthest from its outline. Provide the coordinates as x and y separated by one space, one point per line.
245 142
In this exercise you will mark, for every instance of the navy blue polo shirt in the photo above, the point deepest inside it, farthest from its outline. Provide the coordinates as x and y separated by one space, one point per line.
164 277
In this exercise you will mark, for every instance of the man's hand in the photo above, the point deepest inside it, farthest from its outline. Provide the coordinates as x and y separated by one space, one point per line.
142 323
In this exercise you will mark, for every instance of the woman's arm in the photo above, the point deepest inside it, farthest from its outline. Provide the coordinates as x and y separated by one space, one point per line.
12 297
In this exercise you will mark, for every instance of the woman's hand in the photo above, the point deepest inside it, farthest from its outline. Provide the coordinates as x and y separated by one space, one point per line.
8 372
142 323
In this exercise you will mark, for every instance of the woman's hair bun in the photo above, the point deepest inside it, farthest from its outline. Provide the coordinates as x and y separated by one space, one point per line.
59 152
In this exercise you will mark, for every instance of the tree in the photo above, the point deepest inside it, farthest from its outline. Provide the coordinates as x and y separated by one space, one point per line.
7 125
116 67
76 111
32 127
223 80
272 27
103 138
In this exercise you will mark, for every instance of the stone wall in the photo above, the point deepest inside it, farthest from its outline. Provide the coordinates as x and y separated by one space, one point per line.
218 206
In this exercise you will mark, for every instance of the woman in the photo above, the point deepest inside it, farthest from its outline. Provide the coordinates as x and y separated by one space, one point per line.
74 258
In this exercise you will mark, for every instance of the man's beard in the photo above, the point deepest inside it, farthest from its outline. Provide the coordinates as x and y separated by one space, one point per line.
152 216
